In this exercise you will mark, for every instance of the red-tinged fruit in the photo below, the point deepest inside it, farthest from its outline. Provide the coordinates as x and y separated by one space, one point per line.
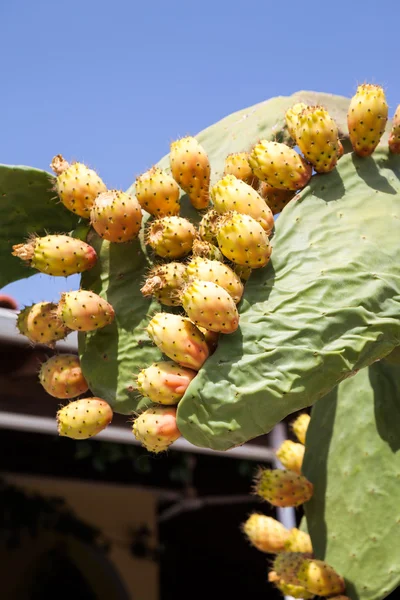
320 578
156 428
276 199
237 164
171 237
265 533
164 382
77 186
179 339
83 310
164 282
291 455
158 193
366 118
216 272
57 255
211 338
279 166
206 250
231 193
62 377
243 241
190 168
41 325
283 487
116 216
394 137
82 419
210 306
317 136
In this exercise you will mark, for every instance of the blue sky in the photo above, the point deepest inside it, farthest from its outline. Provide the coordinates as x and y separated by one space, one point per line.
113 83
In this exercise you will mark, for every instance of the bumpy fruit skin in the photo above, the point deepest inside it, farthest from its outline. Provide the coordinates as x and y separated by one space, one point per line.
231 193
158 193
211 338
171 237
317 136
179 339
237 164
276 199
265 533
298 541
291 455
76 185
164 282
243 241
292 116
208 226
394 137
320 578
57 255
207 250
287 564
84 311
216 272
242 271
279 166
164 382
283 487
190 168
41 325
295 591
116 216
62 377
209 305
156 428
82 419
300 426
366 118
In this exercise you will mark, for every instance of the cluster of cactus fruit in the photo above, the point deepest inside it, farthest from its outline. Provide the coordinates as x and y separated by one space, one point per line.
295 571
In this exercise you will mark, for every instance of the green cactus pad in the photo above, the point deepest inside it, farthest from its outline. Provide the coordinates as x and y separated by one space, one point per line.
28 204
327 304
353 459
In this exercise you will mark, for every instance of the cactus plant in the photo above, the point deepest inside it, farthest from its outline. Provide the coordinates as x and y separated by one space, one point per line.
320 303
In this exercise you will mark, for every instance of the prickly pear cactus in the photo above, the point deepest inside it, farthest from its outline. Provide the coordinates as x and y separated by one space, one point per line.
352 457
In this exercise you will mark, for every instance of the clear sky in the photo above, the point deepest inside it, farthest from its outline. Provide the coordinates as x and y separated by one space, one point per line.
113 83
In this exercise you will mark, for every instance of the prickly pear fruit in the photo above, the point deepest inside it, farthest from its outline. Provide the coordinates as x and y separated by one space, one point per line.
62 377
283 487
242 272
276 199
207 250
209 305
211 338
171 237
280 166
295 591
237 164
394 137
156 428
84 311
287 564
116 216
190 168
265 533
40 324
291 117
76 185
320 578
231 193
300 426
208 226
317 136
366 118
57 255
216 272
158 193
291 455
243 241
84 418
164 283
298 541
164 382
179 339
